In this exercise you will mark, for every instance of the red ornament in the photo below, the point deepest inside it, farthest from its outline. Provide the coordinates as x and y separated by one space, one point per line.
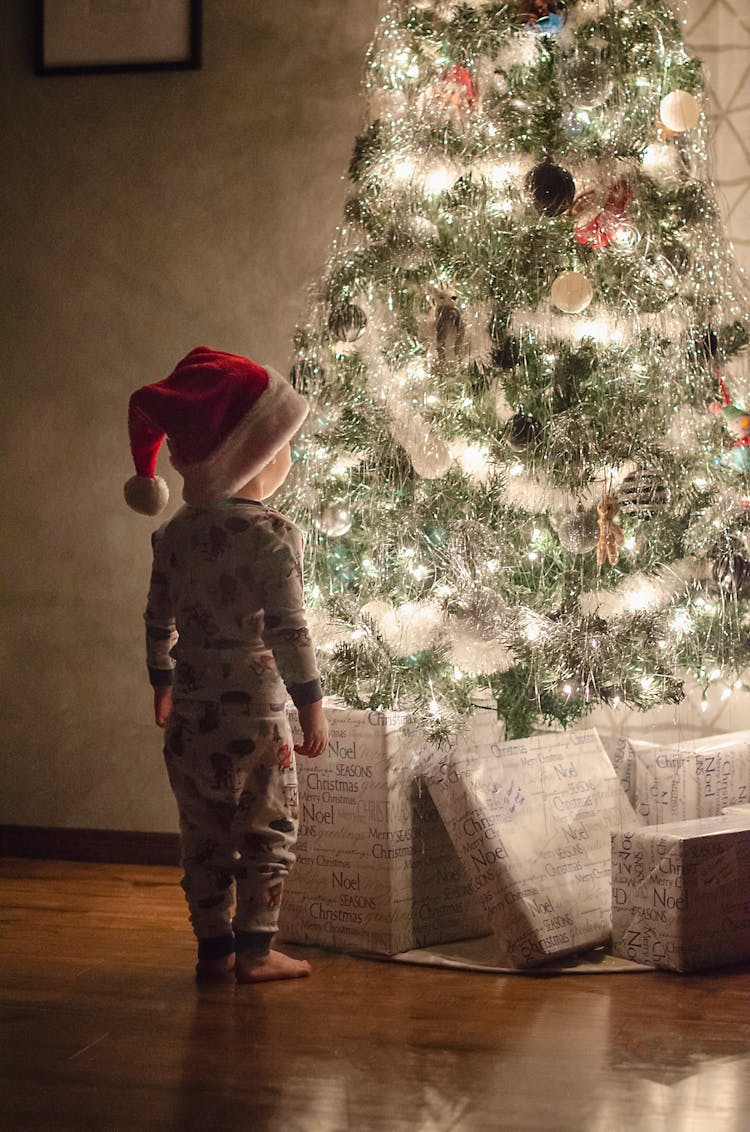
459 89
600 231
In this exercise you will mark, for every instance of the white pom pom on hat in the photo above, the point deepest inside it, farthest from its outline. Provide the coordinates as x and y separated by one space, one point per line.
224 418
148 495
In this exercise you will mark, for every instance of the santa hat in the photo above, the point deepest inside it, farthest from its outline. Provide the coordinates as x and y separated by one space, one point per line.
224 419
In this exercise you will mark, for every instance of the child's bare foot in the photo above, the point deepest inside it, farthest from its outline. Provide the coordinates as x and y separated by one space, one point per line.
209 970
275 965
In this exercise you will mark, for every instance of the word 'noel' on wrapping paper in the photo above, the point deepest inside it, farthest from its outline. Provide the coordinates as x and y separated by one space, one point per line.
696 779
681 893
531 821
375 871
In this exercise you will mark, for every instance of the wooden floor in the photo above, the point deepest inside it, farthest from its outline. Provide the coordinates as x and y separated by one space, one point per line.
105 1030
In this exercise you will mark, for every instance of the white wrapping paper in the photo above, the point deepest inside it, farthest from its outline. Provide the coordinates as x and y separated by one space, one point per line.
531 822
376 871
681 893
697 779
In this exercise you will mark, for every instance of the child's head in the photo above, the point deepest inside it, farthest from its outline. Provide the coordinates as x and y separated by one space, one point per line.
226 421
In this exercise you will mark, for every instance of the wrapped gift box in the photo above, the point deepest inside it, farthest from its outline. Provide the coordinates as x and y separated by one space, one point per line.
681 893
531 821
376 871
697 779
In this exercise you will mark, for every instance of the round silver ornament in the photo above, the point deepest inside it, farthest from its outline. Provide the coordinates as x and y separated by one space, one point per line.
579 533
585 83
347 322
334 520
732 572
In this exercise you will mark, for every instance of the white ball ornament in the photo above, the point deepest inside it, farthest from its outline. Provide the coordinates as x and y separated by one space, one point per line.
679 111
571 292
334 520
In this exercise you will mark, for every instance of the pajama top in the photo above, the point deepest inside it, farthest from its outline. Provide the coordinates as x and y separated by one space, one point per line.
226 607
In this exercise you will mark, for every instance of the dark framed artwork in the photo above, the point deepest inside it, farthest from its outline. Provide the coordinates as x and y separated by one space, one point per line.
96 36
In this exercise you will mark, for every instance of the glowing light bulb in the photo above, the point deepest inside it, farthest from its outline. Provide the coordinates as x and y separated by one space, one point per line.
403 169
438 179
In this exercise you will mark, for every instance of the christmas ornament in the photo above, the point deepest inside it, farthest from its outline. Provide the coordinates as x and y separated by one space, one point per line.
544 17
334 520
642 492
452 97
732 572
305 374
585 83
679 111
571 292
450 330
579 533
507 351
347 322
522 431
738 423
610 537
552 189
599 230
708 344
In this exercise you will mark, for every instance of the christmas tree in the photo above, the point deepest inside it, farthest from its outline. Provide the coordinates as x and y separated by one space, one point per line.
526 465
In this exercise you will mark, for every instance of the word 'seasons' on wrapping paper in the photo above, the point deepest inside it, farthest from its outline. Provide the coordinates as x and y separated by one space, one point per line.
531 821
697 779
681 893
376 871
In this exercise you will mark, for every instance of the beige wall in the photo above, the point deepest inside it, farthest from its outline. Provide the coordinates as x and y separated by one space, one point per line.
141 215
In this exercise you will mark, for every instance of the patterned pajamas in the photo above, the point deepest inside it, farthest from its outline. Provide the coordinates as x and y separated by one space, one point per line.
225 622
236 791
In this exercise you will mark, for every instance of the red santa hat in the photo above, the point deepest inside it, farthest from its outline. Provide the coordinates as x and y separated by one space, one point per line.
224 419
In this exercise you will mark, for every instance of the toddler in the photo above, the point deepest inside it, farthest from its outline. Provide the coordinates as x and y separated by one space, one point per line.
226 639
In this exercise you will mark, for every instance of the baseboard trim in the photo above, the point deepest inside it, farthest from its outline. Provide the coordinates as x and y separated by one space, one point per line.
112 846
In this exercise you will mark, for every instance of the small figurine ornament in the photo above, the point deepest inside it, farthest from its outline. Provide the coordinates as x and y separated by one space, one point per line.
455 95
738 422
610 532
449 323
545 17
601 228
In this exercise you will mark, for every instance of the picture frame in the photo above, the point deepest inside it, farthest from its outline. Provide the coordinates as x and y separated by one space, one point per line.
75 37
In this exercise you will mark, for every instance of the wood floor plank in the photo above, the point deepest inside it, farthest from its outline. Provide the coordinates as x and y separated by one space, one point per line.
104 1029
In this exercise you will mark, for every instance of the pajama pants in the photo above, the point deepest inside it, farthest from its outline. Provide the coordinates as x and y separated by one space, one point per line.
231 766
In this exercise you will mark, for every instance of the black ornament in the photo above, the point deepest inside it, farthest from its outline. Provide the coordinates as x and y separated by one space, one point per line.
506 353
552 189
643 493
708 344
732 572
347 322
522 431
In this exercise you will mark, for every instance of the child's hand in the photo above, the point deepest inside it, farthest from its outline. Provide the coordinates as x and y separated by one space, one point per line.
314 726
162 705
